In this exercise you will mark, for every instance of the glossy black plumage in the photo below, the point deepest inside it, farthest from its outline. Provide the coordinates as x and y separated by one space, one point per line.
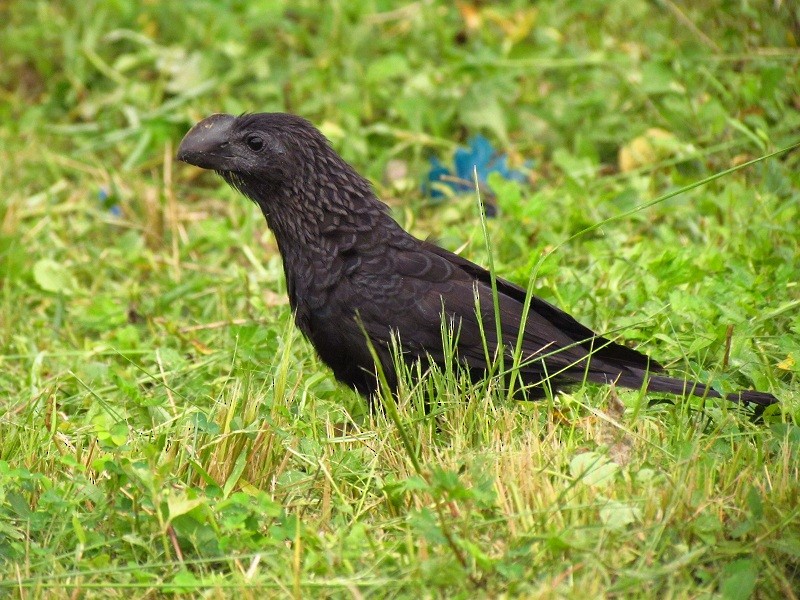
350 269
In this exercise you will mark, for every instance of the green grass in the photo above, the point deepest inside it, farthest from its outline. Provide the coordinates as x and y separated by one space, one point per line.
164 429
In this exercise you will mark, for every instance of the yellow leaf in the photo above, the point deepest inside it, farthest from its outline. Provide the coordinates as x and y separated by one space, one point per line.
470 14
655 145
787 363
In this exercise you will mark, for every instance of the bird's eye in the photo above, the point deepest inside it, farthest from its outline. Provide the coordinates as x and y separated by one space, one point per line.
254 142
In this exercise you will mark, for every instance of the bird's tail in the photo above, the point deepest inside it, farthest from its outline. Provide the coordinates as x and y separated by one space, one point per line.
760 398
671 385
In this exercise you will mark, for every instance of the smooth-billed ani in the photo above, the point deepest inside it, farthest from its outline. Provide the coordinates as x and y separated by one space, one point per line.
352 272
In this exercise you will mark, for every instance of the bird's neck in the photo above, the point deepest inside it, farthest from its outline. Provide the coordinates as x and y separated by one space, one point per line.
317 234
316 228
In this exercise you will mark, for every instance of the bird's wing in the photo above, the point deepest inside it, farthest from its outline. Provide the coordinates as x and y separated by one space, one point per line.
418 281
542 311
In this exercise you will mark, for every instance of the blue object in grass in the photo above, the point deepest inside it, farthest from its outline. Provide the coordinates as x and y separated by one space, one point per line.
108 203
479 155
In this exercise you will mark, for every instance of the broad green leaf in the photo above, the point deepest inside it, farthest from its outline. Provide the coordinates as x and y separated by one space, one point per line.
593 468
54 277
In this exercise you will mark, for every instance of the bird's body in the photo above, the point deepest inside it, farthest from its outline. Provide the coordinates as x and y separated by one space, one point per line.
353 274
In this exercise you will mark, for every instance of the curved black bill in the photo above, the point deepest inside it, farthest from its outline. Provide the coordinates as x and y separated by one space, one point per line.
207 143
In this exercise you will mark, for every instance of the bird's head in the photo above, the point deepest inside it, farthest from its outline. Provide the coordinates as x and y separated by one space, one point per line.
270 148
285 165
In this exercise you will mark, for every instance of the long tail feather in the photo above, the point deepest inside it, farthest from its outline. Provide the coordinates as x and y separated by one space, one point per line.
659 383
760 398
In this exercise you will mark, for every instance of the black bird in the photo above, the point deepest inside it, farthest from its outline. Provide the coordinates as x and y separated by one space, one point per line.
352 272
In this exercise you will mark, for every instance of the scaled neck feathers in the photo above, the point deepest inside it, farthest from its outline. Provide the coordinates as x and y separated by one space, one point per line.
319 212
